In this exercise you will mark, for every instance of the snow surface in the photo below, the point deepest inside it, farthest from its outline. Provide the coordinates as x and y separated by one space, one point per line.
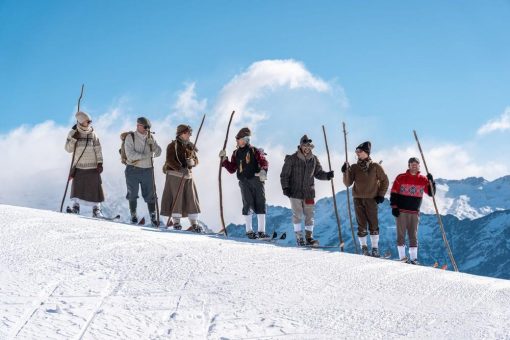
65 276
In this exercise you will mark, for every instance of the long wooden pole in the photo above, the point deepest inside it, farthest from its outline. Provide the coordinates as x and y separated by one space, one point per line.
72 159
169 222
334 197
154 180
224 228
347 191
447 245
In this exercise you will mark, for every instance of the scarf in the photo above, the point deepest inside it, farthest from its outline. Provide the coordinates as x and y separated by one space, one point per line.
364 164
84 130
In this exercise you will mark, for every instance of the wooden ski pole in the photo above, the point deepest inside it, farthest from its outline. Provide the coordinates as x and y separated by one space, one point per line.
169 222
154 179
447 245
340 239
224 228
74 154
347 191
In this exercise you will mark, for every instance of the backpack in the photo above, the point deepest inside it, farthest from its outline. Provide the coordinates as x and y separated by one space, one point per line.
122 150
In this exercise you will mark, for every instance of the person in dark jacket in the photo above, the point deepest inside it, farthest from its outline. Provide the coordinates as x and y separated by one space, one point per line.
297 180
251 167
406 197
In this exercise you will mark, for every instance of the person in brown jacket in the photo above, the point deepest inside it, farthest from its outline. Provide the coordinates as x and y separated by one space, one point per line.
370 186
181 158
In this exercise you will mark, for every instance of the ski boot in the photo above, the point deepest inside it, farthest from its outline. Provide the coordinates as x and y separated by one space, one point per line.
96 212
310 241
177 226
251 235
405 259
196 228
299 239
364 251
262 235
134 218
74 210
415 262
375 252
154 220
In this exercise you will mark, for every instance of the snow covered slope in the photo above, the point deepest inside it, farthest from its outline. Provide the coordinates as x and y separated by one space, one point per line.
480 246
67 277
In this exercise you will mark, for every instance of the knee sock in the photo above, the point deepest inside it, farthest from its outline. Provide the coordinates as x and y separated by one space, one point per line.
248 221
261 219
401 252
375 241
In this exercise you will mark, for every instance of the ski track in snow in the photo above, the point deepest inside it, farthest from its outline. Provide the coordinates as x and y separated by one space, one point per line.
66 277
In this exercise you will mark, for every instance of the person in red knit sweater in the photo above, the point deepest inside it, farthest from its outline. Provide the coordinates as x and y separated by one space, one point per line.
405 200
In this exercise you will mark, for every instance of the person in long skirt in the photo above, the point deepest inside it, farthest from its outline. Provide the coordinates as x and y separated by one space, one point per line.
87 167
181 158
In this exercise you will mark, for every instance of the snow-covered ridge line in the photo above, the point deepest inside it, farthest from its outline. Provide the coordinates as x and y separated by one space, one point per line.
76 276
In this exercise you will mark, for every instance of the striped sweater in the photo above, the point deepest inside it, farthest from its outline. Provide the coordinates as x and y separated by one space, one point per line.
88 148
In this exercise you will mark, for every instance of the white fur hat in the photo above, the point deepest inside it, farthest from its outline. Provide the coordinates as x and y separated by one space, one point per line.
82 117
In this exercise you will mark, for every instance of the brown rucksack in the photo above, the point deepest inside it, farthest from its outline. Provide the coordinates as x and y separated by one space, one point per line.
122 150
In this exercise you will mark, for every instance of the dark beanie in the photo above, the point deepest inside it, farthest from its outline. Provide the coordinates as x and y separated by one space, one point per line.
413 160
366 146
244 132
144 121
305 140
183 129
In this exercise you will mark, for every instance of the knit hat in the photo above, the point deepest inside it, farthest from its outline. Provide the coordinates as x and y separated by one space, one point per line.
144 121
413 160
244 132
366 146
82 117
183 129
305 141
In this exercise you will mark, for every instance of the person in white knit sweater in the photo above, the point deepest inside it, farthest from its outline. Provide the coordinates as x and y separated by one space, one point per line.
87 165
140 147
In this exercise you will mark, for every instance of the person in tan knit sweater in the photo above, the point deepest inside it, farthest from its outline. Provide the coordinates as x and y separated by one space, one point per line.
140 148
370 185
87 165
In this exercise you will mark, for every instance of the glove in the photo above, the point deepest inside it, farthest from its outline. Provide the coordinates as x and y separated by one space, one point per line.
223 154
262 174
100 167
190 162
76 135
395 212
430 178
330 175
286 192
379 199
150 140
344 167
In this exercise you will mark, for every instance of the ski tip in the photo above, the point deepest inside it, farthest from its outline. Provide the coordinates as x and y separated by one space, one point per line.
142 221
284 236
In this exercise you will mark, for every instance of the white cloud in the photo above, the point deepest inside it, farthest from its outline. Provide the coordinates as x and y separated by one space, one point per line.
501 123
187 104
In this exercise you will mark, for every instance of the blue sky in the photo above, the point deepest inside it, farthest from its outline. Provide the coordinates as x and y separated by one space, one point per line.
442 67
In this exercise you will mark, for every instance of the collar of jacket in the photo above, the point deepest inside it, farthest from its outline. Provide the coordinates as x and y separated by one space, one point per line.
302 156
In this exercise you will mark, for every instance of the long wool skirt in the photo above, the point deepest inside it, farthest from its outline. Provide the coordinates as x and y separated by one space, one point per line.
187 202
87 186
